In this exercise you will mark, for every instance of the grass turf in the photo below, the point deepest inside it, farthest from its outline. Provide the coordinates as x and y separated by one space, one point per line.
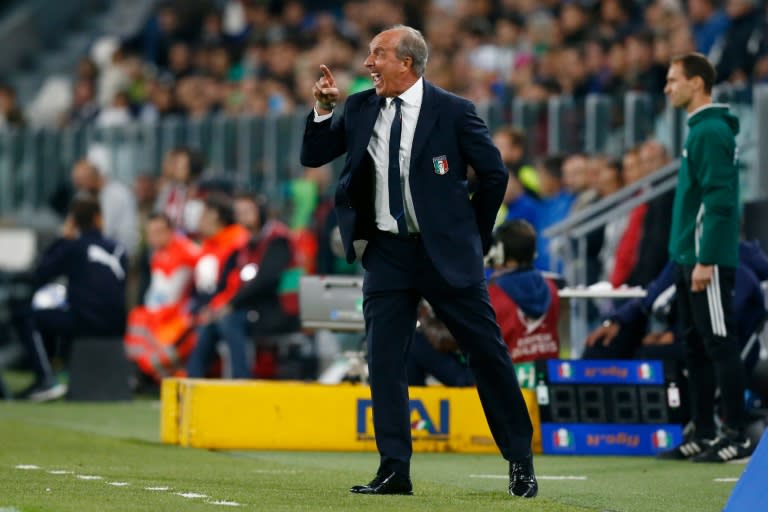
119 442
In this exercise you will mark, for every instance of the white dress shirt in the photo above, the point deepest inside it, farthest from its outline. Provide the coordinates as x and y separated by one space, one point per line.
378 147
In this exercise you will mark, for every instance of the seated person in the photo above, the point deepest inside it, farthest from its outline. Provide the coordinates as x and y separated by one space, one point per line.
526 304
263 275
627 332
94 267
222 238
160 336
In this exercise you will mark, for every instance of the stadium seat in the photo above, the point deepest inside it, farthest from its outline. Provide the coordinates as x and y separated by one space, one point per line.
99 370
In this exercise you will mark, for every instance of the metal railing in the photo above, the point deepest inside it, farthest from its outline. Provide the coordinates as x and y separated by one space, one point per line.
263 152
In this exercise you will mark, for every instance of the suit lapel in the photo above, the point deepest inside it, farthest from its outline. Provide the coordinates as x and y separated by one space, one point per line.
427 119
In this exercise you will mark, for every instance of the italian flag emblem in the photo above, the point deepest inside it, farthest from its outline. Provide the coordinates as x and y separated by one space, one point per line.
661 439
563 438
565 371
645 372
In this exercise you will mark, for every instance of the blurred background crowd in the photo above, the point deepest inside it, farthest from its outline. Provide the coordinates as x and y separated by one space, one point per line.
193 58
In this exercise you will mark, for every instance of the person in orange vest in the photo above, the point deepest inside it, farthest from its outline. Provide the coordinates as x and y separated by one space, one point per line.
222 238
160 334
526 304
265 273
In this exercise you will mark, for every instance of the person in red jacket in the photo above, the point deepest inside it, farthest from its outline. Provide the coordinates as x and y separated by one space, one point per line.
213 288
527 305
264 272
527 310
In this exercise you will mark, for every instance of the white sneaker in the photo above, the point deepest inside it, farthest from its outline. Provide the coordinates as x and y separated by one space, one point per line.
48 393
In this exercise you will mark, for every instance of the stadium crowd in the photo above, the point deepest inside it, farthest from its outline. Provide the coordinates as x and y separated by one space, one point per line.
198 57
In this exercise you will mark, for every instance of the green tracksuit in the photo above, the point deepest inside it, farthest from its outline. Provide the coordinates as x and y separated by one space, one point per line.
705 217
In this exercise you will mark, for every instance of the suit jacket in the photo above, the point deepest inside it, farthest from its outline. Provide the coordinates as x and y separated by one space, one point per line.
455 229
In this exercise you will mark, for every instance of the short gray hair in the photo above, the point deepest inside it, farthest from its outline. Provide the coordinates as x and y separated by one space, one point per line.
413 45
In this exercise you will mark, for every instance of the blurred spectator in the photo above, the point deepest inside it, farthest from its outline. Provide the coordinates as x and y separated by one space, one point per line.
222 238
118 205
708 22
10 113
179 195
611 180
575 180
627 249
647 328
84 107
644 74
267 270
116 113
655 232
526 304
173 258
512 144
556 202
160 333
617 18
158 34
94 302
735 52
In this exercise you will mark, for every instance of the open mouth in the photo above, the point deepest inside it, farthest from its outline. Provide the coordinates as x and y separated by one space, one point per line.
376 77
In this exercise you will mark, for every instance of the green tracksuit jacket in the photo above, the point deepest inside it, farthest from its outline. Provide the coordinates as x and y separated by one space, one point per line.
705 217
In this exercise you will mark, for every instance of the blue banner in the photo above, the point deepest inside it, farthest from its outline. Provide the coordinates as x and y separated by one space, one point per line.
604 372
603 439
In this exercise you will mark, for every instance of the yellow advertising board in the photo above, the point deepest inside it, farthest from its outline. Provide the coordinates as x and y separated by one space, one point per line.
271 415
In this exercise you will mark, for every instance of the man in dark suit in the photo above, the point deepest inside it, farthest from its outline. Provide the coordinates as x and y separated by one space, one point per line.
404 190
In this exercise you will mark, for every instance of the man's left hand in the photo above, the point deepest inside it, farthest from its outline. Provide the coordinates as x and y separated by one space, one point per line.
701 277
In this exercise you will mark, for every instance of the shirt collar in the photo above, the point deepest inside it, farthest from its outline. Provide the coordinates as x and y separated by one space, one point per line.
413 95
707 106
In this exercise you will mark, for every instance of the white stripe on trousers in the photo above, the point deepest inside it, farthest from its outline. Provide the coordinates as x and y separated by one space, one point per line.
715 303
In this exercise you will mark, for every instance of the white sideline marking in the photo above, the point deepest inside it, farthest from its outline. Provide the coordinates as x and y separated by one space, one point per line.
728 480
119 484
27 466
157 488
9 509
191 495
539 477
90 477
60 472
224 503
276 471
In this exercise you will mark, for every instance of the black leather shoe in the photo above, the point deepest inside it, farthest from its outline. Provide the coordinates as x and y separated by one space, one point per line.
385 484
522 480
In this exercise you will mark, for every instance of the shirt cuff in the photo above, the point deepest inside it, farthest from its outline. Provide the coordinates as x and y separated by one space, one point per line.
320 118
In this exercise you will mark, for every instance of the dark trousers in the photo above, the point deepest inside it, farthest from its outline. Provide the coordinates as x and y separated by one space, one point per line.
398 273
712 350
233 329
44 332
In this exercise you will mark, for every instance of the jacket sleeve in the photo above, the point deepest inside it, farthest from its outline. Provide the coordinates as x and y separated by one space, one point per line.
56 260
719 182
275 261
479 152
323 141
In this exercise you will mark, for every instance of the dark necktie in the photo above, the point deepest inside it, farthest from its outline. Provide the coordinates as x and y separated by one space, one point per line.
396 207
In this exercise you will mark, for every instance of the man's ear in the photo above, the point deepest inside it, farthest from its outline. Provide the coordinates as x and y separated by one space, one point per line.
698 83
408 62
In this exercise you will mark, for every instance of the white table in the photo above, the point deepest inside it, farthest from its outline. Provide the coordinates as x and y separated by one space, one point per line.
578 330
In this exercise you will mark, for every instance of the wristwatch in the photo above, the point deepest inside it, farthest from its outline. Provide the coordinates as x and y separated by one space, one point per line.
325 106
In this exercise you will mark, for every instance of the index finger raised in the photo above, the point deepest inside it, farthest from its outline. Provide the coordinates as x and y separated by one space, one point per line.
328 75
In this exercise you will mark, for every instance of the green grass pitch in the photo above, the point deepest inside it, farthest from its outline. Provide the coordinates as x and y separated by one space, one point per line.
103 457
